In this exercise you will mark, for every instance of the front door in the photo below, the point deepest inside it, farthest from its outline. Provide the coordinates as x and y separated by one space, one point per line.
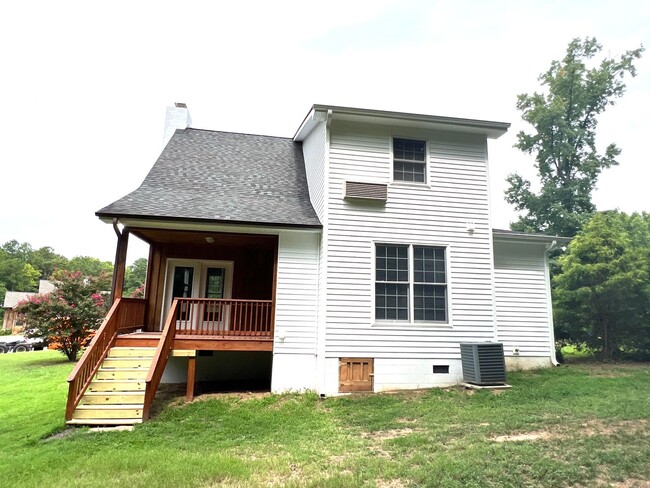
198 279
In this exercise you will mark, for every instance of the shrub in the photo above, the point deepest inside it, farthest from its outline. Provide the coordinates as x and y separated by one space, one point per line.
69 315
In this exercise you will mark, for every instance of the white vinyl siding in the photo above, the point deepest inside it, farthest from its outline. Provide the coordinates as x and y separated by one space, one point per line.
314 149
297 293
521 298
433 214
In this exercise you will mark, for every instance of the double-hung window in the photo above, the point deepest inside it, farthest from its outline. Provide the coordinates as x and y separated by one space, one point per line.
410 283
409 160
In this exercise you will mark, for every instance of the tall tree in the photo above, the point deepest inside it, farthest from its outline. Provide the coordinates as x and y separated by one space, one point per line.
89 266
135 276
16 274
20 250
47 261
602 293
563 140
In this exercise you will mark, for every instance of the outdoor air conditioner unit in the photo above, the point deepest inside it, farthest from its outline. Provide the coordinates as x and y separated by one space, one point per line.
356 190
483 363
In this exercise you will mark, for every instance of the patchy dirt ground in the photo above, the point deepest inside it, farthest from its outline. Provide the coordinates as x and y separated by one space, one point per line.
589 428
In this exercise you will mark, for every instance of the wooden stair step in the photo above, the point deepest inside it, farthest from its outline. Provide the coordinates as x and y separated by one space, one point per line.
128 362
109 407
116 394
124 411
122 373
104 421
115 398
131 341
123 352
116 385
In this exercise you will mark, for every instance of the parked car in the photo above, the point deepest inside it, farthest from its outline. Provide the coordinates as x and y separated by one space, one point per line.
37 342
14 344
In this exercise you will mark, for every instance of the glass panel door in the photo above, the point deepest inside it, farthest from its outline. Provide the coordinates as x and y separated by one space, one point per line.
214 282
215 314
182 282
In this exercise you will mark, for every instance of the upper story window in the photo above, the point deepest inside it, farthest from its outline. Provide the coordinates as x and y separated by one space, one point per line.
409 160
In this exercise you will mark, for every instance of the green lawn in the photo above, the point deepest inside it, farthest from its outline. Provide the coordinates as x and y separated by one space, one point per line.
579 425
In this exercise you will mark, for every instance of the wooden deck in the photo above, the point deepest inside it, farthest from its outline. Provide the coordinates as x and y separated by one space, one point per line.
196 342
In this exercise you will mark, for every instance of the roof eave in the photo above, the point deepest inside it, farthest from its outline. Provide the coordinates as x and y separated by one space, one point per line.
311 120
108 217
317 113
510 236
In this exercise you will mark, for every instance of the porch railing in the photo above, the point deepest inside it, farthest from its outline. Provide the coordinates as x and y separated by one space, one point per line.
225 317
126 313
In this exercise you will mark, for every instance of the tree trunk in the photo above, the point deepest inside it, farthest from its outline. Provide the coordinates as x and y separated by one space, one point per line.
71 352
607 342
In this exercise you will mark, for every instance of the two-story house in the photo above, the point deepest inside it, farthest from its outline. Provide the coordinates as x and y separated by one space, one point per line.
356 255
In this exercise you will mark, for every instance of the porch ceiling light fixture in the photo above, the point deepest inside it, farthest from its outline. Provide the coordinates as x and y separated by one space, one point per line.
209 240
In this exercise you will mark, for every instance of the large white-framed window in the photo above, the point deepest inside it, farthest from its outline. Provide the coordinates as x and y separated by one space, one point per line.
411 283
409 160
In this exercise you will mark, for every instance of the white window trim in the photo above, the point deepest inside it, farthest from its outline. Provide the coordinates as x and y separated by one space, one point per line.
418 184
411 323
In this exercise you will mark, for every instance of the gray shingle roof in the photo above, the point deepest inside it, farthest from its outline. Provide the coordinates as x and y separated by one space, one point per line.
223 176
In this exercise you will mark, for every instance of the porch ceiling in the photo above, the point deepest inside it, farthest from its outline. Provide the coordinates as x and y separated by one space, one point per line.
193 238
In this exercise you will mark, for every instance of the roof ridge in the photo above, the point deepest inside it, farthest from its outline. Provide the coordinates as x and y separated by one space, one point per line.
236 133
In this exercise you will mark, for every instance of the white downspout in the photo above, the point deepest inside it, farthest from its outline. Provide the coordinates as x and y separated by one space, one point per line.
550 247
321 360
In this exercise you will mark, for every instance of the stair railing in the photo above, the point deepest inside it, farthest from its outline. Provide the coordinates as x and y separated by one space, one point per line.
165 345
125 313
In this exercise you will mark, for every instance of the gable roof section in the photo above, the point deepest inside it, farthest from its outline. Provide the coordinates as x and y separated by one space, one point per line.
216 176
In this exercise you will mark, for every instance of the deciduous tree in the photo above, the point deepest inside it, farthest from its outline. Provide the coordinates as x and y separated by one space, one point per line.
563 139
47 261
134 279
89 266
17 275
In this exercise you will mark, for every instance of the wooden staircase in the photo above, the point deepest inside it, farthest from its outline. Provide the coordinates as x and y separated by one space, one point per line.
116 394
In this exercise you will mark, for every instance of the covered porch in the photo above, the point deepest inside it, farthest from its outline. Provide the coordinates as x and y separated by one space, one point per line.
204 291
225 284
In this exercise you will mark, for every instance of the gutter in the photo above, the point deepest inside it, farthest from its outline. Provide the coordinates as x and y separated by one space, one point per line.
110 217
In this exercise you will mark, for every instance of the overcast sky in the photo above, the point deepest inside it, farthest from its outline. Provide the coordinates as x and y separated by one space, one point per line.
85 86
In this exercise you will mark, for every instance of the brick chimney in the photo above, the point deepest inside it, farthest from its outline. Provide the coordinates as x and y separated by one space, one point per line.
178 117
